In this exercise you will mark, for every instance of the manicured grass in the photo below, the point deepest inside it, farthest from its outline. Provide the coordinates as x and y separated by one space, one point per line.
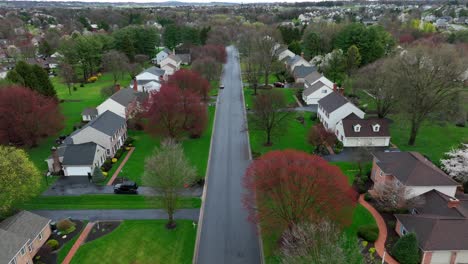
271 79
288 94
62 253
293 137
114 168
196 151
360 217
350 169
103 201
141 241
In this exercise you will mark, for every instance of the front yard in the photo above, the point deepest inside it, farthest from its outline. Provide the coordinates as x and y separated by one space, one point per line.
141 241
288 94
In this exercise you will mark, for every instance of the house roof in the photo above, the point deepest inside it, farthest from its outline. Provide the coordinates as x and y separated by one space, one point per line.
312 77
293 60
10 244
332 101
80 154
412 169
366 127
435 203
313 88
25 224
185 57
108 123
302 71
435 233
176 58
166 50
92 111
124 96
154 70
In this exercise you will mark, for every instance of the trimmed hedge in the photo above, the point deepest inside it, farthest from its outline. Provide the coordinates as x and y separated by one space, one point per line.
368 232
406 249
53 244
64 225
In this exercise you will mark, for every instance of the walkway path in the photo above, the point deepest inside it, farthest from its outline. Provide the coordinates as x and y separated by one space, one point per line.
380 242
78 243
116 173
117 214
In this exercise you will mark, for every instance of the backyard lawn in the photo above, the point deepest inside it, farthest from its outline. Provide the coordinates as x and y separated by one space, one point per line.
102 201
196 151
141 241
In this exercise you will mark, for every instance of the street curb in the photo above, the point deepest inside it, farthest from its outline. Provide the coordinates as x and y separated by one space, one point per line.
260 241
205 187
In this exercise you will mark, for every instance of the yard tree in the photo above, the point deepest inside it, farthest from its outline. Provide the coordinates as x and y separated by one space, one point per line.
318 243
334 66
393 196
171 112
353 59
68 75
252 60
295 47
286 188
19 178
406 249
312 45
269 113
208 67
116 63
169 171
26 116
265 45
427 82
375 80
455 163
44 85
217 52
190 80
33 77
321 137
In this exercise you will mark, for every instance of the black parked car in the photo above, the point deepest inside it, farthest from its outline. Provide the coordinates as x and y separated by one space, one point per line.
127 187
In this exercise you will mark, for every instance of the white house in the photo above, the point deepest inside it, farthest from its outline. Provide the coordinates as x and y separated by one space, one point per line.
81 159
149 80
316 87
89 114
285 53
161 56
296 61
171 64
356 132
333 108
119 102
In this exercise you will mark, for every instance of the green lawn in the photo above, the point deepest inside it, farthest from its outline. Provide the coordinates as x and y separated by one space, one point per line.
196 151
271 79
102 201
288 94
62 253
141 241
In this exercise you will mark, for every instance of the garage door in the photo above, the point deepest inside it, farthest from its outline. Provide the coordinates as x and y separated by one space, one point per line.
77 171
462 257
442 257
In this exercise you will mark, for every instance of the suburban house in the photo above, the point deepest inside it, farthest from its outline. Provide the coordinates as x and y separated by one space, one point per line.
108 130
334 107
120 102
284 53
21 237
412 170
318 90
353 131
441 227
148 80
185 58
81 159
171 64
89 114
296 61
161 56
301 71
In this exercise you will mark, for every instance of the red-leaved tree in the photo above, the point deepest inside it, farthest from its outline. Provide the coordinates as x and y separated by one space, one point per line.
172 112
26 116
190 80
208 67
285 188
321 137
218 52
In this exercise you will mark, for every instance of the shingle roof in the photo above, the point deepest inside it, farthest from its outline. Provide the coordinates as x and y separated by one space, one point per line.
80 154
313 88
302 71
175 58
124 96
108 123
312 77
293 60
366 127
332 101
92 111
185 58
435 203
437 233
155 70
10 244
412 169
25 224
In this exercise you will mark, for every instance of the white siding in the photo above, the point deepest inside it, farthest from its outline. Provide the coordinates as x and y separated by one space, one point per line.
161 56
338 115
112 106
462 257
441 257
286 53
418 190
314 97
360 141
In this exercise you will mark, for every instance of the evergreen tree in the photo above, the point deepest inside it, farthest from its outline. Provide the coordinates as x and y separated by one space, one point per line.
97 175
353 59
311 45
43 85
33 77
406 249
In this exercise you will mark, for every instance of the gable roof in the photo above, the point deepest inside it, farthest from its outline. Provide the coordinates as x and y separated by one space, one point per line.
154 70
366 127
293 60
434 233
165 50
174 58
80 154
92 111
332 101
108 123
185 57
412 169
25 224
10 244
302 71
436 203
314 87
124 96
313 77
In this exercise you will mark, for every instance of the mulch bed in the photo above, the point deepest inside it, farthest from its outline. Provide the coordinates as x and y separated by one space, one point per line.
50 257
102 228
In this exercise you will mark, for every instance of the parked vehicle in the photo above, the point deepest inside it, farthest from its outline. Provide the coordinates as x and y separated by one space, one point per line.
221 86
127 187
279 84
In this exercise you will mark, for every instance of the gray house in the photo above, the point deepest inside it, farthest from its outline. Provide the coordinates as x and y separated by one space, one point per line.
81 159
302 71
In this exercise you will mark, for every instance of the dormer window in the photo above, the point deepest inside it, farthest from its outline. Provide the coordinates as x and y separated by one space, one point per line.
376 128
357 128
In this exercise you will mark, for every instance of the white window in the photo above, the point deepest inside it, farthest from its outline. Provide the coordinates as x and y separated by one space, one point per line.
40 236
30 247
376 128
357 128
108 151
23 251
324 91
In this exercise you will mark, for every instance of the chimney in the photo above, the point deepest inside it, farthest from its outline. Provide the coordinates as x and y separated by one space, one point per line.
117 87
56 167
334 87
453 203
135 85
173 51
342 90
302 54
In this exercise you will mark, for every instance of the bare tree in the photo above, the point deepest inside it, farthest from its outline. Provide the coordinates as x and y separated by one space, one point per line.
115 62
252 61
265 46
392 195
168 170
68 75
270 113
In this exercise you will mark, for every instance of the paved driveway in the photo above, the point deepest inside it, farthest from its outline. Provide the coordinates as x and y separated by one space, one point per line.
226 234
352 154
131 214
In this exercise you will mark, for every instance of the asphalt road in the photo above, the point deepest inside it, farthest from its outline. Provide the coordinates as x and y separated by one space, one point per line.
226 234
131 214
